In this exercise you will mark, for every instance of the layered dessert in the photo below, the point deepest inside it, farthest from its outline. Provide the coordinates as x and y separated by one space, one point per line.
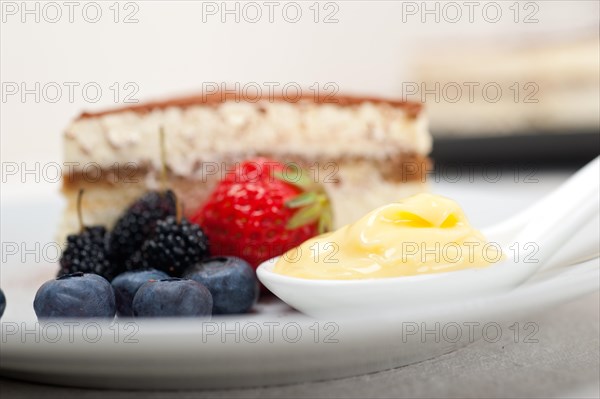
366 152
548 87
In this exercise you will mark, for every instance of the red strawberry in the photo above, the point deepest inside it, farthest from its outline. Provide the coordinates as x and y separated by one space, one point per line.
262 209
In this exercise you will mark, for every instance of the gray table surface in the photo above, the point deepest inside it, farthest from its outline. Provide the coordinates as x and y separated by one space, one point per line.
564 363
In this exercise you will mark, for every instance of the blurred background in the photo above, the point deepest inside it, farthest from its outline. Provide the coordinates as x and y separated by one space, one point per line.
502 81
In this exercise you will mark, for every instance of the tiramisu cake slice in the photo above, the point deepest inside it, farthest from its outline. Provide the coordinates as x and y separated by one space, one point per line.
366 152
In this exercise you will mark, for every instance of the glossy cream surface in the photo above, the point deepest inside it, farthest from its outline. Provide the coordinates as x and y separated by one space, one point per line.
421 234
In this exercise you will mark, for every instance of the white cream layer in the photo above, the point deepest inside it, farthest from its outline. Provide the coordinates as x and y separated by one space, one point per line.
234 130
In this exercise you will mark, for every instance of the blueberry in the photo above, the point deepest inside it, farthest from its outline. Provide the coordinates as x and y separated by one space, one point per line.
75 295
127 284
231 281
172 297
2 303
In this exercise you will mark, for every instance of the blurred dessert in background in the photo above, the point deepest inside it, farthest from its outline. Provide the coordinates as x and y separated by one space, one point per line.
366 152
534 86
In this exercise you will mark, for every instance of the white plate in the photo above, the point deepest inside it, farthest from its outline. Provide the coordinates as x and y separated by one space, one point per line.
274 345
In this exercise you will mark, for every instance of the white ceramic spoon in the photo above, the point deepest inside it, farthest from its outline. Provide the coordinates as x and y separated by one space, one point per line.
582 246
544 228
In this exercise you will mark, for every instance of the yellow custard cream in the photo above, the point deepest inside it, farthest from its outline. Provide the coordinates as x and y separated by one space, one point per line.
422 234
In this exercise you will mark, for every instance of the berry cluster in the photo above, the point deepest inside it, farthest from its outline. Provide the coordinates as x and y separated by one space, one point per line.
216 286
144 264
147 235
159 262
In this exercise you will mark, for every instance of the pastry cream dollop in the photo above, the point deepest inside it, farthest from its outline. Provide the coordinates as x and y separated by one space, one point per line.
421 234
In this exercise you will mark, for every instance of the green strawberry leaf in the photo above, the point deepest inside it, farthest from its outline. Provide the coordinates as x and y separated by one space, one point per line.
326 221
301 179
305 216
302 200
312 204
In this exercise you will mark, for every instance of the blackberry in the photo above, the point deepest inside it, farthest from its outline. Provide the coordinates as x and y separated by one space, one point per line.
135 262
86 252
174 246
138 222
